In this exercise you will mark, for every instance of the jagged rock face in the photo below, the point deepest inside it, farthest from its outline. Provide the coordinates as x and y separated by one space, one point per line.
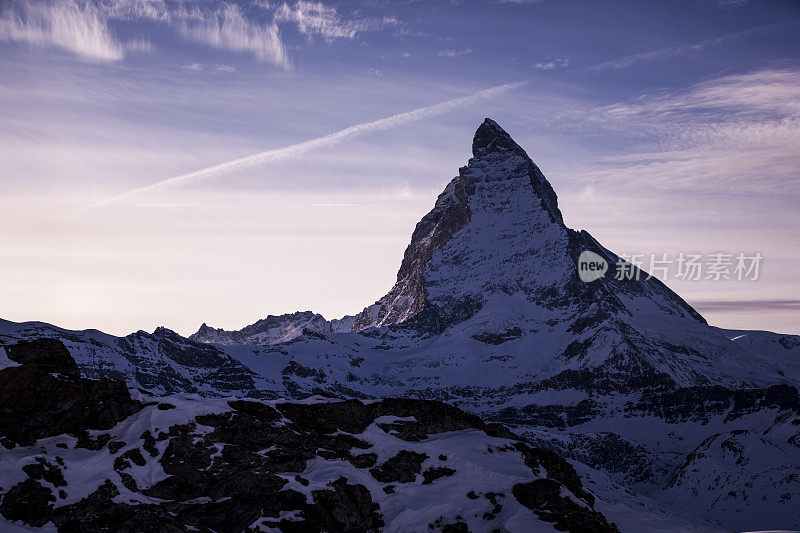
176 464
407 298
500 202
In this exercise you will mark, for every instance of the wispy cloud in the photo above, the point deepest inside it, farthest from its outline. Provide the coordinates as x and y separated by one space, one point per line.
139 45
157 10
738 134
315 18
449 52
80 28
296 150
673 51
770 96
552 64
229 29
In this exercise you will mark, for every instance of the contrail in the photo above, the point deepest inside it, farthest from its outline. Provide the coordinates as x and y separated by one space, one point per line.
671 51
295 150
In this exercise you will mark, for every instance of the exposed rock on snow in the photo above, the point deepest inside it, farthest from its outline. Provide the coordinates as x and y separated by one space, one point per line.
235 465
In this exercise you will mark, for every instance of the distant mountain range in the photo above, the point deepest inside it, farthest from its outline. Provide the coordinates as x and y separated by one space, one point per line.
671 423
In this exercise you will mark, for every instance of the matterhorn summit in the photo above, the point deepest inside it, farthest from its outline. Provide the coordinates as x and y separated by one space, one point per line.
496 230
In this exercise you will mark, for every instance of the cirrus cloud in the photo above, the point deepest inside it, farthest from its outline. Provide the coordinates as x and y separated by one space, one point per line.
733 134
83 27
229 29
80 28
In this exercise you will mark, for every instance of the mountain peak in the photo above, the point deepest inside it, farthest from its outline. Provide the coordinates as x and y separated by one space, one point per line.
490 137
494 142
496 231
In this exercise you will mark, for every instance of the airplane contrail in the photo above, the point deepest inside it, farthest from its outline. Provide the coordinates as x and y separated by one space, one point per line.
295 150
671 51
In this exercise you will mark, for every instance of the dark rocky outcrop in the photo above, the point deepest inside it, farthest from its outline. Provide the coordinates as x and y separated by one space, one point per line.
43 469
402 468
545 498
28 502
345 507
435 472
500 337
701 403
46 396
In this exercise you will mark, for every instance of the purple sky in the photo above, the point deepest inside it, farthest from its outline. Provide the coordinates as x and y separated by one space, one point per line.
664 128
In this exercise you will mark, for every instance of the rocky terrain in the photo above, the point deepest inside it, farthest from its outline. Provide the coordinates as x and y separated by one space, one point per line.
84 455
672 423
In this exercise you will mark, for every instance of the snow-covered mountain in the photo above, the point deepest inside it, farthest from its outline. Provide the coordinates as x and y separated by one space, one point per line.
672 422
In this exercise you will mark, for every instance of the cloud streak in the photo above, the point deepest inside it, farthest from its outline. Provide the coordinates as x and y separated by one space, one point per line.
295 150
746 305
672 51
